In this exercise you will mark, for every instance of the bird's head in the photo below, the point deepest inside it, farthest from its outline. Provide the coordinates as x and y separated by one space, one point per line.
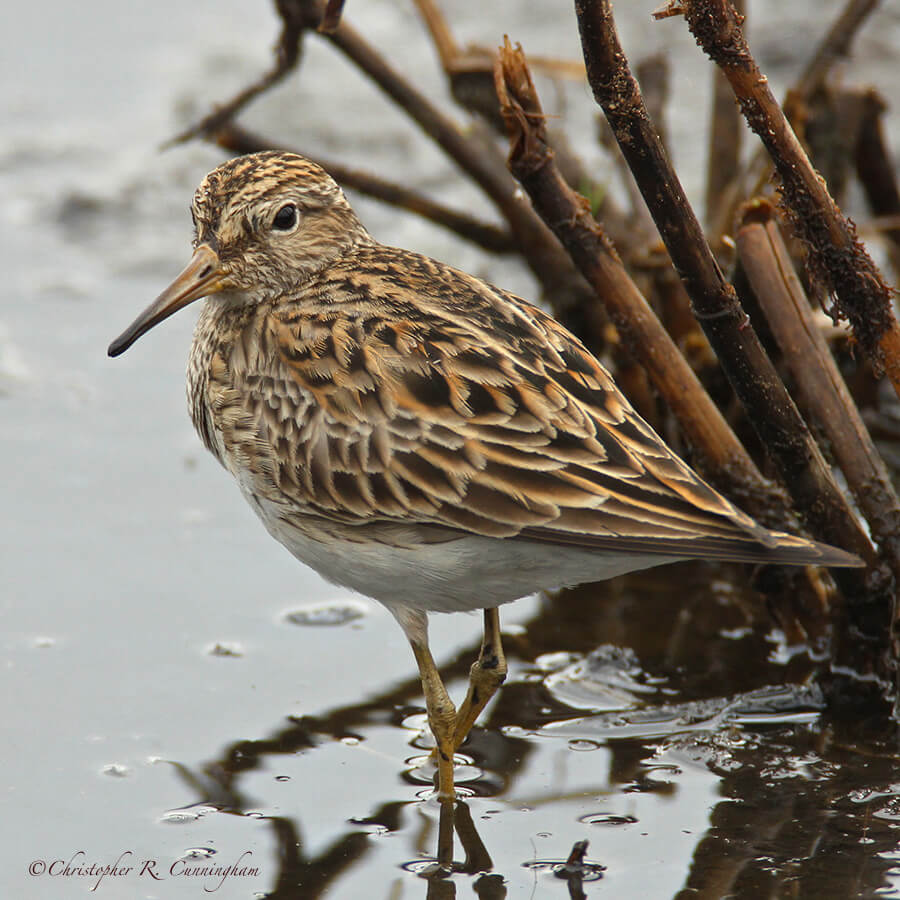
263 225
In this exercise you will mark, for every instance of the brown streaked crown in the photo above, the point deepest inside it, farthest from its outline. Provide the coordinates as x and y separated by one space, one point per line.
235 206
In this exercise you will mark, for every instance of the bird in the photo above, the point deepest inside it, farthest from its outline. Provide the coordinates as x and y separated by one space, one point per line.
417 435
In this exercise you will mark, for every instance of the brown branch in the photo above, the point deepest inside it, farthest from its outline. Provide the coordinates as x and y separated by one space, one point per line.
724 153
470 75
653 76
771 276
287 55
834 46
568 213
479 159
756 173
473 157
833 123
469 71
833 252
331 17
875 169
769 407
487 236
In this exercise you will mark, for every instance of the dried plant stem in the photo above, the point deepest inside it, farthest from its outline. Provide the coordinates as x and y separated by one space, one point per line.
724 152
287 55
834 253
834 45
769 407
770 272
723 457
875 169
477 158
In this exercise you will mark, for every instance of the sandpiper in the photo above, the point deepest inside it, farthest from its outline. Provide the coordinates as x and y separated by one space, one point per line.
417 435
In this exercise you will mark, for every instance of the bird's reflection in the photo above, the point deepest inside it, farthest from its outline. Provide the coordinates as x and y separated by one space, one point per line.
458 847
783 787
456 819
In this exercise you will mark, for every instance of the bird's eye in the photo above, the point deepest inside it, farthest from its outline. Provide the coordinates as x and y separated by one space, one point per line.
286 218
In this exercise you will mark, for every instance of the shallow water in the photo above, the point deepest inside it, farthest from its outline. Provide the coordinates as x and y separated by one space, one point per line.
180 691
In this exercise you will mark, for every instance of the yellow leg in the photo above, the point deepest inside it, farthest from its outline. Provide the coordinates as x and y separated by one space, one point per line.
441 717
488 672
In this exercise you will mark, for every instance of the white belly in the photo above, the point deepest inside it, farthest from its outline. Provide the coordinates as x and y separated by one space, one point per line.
468 572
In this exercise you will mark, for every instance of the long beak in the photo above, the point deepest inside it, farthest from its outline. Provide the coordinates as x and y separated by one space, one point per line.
201 277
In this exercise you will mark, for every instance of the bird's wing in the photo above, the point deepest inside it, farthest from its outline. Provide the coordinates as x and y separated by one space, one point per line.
431 397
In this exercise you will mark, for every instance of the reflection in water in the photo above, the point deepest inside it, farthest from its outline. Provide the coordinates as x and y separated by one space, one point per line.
608 746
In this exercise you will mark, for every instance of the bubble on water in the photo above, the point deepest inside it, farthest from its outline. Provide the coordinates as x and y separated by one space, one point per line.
179 817
117 770
558 867
553 662
602 818
328 614
424 868
186 816
889 811
417 721
608 679
198 853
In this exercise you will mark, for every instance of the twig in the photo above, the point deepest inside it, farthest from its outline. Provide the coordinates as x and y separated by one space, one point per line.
490 237
834 253
331 17
637 214
478 159
836 43
470 74
653 76
769 407
769 270
287 55
721 454
875 169
834 46
724 153
833 126
470 70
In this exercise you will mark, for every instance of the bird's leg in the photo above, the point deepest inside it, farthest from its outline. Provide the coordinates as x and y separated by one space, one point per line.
488 672
441 717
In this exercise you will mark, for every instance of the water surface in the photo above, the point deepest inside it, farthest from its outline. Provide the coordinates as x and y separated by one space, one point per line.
162 707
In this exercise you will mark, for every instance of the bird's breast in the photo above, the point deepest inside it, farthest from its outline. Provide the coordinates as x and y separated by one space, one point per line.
215 375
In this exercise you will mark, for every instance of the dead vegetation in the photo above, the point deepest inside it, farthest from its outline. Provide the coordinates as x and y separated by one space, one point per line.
749 285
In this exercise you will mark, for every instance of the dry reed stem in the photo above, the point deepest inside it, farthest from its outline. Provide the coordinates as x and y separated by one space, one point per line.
834 255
